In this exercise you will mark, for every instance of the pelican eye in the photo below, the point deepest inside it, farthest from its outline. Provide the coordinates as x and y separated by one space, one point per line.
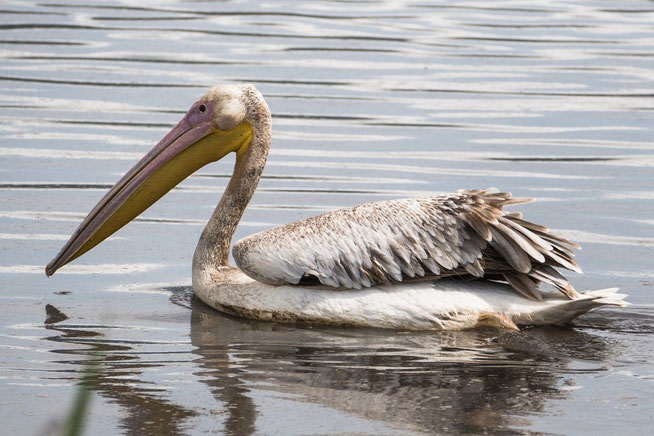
202 108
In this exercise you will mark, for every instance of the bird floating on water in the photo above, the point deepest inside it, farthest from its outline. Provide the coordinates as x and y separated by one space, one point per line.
446 262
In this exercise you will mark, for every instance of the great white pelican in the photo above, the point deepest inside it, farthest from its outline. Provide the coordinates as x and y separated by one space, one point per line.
444 262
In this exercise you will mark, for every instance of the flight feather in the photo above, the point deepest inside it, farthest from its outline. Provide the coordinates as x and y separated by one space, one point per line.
464 234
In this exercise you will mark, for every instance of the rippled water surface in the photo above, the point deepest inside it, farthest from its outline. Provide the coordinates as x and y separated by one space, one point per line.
371 100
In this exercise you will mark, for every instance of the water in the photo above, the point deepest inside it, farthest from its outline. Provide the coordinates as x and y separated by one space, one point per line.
370 100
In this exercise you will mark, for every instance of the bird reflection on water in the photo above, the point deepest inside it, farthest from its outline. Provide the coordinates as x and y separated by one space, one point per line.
119 380
443 382
455 382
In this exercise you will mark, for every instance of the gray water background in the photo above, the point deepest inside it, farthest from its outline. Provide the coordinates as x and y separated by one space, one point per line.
370 101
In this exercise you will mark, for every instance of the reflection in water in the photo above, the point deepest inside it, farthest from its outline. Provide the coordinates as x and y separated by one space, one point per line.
144 411
435 382
482 381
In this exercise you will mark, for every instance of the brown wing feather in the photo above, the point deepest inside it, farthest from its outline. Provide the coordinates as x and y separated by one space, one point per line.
461 234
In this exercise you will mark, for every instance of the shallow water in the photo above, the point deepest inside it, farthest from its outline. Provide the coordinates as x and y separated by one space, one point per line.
370 100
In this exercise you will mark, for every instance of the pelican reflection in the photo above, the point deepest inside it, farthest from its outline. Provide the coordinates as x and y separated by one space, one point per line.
446 382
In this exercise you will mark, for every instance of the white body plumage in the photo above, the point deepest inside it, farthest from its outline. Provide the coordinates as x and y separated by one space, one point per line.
445 304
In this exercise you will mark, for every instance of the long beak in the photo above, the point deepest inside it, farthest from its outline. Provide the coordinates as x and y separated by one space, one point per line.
191 144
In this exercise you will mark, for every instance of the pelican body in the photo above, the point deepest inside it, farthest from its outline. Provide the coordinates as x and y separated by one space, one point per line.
448 262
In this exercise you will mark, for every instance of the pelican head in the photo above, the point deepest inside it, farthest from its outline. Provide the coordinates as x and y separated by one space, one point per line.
216 125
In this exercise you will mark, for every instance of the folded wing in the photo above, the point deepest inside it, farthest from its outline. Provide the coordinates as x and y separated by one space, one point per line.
463 234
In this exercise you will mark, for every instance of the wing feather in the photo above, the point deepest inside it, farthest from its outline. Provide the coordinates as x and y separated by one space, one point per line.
461 234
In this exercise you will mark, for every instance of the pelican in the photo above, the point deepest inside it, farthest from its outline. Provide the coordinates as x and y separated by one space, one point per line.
447 262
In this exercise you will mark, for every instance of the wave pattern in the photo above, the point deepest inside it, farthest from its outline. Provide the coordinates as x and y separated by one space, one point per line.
370 100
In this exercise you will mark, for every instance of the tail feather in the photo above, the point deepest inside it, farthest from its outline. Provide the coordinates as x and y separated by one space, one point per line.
561 312
608 297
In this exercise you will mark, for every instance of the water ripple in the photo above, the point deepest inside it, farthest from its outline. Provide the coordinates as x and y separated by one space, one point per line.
370 100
